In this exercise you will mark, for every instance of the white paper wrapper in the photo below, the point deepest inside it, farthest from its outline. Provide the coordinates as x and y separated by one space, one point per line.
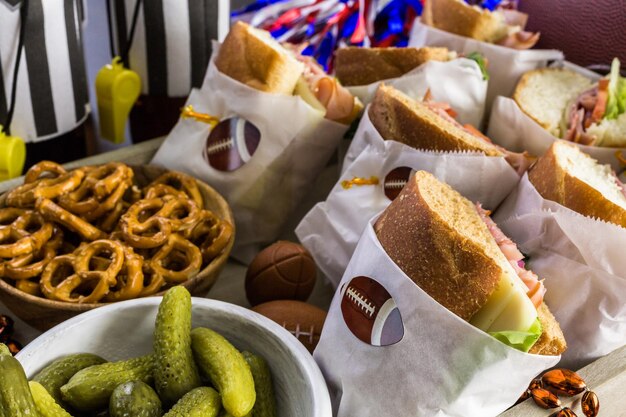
458 82
296 143
331 230
506 65
582 261
442 367
510 127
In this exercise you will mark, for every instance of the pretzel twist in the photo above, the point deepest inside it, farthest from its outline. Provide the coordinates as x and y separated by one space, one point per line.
31 265
29 287
148 223
211 235
36 171
85 276
22 232
56 213
177 261
130 279
99 192
60 282
180 182
27 194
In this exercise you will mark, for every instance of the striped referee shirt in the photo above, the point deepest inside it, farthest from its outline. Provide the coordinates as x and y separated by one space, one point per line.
52 96
172 43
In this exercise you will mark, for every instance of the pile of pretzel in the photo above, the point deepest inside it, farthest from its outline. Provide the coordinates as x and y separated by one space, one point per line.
92 235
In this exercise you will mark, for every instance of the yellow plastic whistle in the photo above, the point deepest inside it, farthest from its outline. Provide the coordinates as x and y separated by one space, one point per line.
12 156
117 89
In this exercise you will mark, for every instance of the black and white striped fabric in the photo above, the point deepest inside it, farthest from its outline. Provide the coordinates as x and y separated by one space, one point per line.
52 96
172 43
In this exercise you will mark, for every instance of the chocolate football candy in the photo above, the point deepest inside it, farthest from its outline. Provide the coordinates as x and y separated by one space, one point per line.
282 271
395 181
231 144
370 312
304 321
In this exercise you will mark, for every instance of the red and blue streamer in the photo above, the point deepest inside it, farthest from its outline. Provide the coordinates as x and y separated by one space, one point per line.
321 26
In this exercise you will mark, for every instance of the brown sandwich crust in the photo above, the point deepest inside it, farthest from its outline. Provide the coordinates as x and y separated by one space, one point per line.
551 342
453 270
397 117
455 16
437 253
554 182
362 66
252 57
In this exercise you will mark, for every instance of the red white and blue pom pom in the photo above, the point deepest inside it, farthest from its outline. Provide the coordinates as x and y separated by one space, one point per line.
321 26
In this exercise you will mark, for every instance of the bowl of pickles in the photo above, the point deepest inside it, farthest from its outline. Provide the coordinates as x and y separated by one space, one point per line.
168 356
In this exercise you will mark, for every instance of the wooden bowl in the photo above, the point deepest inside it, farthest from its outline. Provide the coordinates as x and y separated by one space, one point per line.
43 314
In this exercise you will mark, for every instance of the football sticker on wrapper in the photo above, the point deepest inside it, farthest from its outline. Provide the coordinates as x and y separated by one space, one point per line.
231 144
395 181
370 312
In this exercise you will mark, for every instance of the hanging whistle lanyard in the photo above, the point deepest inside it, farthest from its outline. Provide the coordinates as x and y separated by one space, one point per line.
12 148
117 87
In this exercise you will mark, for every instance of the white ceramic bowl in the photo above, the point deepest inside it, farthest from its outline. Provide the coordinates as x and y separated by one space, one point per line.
124 330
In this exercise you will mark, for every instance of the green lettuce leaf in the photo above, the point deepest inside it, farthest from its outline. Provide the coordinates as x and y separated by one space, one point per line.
616 103
482 63
520 340
621 95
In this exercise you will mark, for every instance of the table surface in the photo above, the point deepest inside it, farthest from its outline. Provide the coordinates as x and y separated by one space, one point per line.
606 377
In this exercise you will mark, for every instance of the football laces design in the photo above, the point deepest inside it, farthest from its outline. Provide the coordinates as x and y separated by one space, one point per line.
299 332
361 301
396 184
370 312
220 146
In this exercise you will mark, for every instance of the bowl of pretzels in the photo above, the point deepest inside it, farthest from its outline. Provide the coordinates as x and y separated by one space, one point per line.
71 241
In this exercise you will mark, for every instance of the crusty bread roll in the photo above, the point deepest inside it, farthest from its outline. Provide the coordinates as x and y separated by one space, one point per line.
436 236
400 118
252 57
577 181
362 66
456 16
545 93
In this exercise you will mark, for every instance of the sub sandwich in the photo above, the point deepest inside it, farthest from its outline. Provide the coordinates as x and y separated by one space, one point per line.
430 125
573 107
362 66
252 57
503 26
575 180
452 250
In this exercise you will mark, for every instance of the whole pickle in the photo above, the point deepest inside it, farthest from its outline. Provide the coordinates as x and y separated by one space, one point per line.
90 388
199 402
227 368
46 405
265 404
175 372
15 397
134 399
55 375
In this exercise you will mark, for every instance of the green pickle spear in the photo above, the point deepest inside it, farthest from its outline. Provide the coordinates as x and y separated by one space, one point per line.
91 388
59 372
199 402
46 405
175 372
265 404
227 368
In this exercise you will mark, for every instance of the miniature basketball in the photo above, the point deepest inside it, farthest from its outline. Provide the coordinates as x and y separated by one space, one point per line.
282 271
